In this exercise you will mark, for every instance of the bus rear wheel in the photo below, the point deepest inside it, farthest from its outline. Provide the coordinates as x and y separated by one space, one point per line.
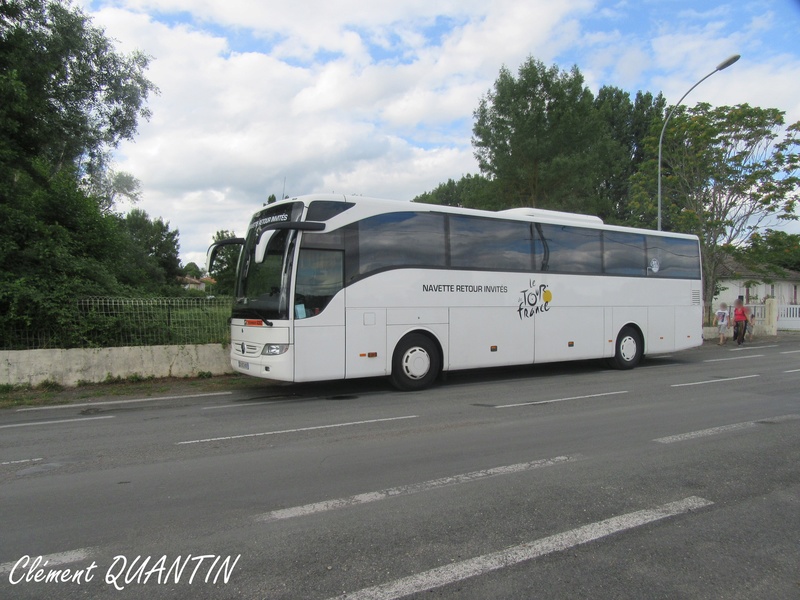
416 362
629 349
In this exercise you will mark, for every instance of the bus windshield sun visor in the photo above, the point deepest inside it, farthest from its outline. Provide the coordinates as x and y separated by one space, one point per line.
264 235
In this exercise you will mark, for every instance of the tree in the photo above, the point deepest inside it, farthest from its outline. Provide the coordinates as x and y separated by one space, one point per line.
66 97
728 172
55 247
192 270
110 186
471 191
626 125
773 249
151 260
224 268
537 137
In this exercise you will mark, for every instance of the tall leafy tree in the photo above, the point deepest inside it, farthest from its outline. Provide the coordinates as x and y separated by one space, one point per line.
774 250
55 247
66 96
151 262
537 136
728 171
471 191
626 125
193 270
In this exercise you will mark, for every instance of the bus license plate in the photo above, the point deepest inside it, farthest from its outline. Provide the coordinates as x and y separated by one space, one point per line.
244 365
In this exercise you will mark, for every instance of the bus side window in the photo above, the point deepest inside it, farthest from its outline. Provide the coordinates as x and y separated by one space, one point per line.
570 249
492 244
624 254
400 240
673 258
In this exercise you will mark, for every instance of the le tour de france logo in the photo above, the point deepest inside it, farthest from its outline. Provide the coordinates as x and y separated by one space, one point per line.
536 299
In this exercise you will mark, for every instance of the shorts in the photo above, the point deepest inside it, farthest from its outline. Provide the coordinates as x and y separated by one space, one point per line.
723 328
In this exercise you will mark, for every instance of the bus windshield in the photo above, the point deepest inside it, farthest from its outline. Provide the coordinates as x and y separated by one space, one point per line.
263 284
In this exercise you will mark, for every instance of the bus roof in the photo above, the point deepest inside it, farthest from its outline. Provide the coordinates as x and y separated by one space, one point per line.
375 206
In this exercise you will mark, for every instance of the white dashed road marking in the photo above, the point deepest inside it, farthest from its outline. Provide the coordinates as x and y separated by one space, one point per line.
250 435
55 422
561 399
734 358
722 429
480 565
713 381
19 462
406 490
132 401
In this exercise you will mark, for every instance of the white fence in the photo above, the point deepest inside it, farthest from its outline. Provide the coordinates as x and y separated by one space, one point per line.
789 317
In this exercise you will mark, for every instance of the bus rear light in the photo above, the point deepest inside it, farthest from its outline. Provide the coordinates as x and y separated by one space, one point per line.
275 349
254 323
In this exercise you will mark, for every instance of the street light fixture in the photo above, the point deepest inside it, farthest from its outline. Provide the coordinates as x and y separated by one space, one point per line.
723 65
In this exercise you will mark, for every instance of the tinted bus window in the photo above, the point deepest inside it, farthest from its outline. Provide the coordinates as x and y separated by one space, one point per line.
673 258
402 239
322 210
477 243
569 249
624 254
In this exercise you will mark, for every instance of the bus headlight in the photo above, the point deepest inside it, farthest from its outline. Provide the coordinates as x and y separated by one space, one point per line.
275 349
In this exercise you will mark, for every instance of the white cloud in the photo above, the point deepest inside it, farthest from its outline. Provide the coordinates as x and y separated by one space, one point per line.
377 98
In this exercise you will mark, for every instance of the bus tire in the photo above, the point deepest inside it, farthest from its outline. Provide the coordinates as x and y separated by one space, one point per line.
629 349
416 363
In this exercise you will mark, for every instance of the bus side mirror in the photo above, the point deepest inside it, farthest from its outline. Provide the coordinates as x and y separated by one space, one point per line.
214 248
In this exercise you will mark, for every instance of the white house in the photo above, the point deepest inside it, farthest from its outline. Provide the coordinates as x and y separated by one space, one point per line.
737 280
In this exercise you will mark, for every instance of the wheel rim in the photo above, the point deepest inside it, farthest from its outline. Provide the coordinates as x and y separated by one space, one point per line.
627 348
416 363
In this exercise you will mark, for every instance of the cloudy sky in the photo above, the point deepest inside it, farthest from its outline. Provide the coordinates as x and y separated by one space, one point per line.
376 98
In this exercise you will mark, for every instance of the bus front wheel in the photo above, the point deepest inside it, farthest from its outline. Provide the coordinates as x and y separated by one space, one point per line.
629 349
416 362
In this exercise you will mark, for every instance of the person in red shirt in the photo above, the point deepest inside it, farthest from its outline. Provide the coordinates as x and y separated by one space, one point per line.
741 316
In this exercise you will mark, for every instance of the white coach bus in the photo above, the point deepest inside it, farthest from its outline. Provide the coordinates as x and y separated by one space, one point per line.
339 287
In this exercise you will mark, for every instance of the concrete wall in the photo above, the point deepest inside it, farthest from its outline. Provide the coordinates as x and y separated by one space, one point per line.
68 367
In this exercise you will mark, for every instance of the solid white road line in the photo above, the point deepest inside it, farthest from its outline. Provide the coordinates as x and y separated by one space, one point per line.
19 462
480 565
561 399
249 435
713 381
132 401
733 358
406 490
52 560
55 422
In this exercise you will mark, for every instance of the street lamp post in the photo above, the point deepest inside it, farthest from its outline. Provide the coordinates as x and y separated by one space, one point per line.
723 65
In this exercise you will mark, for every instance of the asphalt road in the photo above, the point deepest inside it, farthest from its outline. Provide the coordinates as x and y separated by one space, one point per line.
679 479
